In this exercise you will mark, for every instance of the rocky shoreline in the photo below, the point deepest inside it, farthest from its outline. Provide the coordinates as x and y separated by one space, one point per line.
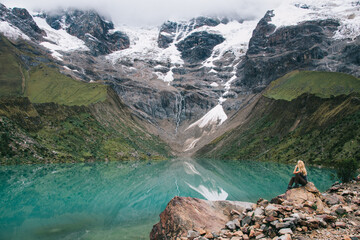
300 213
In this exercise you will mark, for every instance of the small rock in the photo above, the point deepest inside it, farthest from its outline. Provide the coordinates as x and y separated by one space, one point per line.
270 219
304 228
209 235
341 211
348 209
286 237
323 224
252 233
332 199
201 238
200 230
245 237
215 234
313 223
245 220
234 212
327 218
192 234
238 234
285 231
270 210
259 211
262 202
340 224
282 225
260 236
230 225
236 238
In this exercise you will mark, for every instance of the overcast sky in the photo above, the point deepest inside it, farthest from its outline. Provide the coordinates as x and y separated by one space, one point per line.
155 12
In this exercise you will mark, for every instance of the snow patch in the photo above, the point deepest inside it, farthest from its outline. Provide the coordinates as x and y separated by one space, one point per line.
214 84
237 36
213 117
209 194
192 143
12 32
346 11
59 40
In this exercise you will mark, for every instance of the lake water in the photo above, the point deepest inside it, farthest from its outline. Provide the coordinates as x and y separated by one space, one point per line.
122 200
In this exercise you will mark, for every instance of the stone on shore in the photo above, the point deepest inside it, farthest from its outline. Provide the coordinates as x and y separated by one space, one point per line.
185 213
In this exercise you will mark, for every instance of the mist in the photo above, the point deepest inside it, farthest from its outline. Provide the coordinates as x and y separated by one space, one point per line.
155 12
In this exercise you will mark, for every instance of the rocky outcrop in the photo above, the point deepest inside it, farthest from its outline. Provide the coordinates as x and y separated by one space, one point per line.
21 18
201 217
309 45
300 213
309 195
90 27
169 30
198 46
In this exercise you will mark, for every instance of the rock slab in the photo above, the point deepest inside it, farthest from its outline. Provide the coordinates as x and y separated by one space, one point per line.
184 213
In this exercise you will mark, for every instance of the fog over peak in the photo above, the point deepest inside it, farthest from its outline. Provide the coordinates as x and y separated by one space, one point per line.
155 12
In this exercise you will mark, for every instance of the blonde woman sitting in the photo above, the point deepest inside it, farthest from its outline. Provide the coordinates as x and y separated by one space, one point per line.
300 175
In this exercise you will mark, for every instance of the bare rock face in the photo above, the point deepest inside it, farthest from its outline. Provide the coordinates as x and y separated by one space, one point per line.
307 194
184 213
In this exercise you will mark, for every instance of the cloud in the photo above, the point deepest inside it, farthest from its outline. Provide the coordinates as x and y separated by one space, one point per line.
154 12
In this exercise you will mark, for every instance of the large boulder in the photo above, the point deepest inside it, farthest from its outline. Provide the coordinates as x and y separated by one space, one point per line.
305 195
185 213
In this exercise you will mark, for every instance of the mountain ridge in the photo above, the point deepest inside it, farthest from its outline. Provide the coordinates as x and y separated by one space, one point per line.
195 73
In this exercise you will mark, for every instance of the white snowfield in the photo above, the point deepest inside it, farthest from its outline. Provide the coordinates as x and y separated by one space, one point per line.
216 116
12 32
59 40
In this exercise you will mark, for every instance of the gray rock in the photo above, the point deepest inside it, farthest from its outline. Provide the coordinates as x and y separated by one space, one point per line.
22 19
198 46
282 225
259 211
340 211
192 234
270 210
285 231
245 220
331 199
230 225
260 236
340 224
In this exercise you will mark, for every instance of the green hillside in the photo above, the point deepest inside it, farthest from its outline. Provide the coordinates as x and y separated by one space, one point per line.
47 84
46 116
11 72
314 116
321 84
319 131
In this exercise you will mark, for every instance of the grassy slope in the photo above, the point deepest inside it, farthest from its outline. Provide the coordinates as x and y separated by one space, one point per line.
322 84
46 84
65 119
11 75
318 130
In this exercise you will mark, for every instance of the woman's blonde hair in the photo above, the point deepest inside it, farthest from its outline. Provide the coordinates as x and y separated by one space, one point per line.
302 168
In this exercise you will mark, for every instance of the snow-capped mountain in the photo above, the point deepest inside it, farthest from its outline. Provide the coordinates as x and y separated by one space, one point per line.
187 78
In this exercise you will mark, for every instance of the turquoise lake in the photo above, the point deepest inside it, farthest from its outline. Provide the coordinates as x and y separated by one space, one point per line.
123 200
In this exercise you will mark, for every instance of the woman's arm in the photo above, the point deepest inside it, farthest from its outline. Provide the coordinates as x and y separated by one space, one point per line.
296 171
